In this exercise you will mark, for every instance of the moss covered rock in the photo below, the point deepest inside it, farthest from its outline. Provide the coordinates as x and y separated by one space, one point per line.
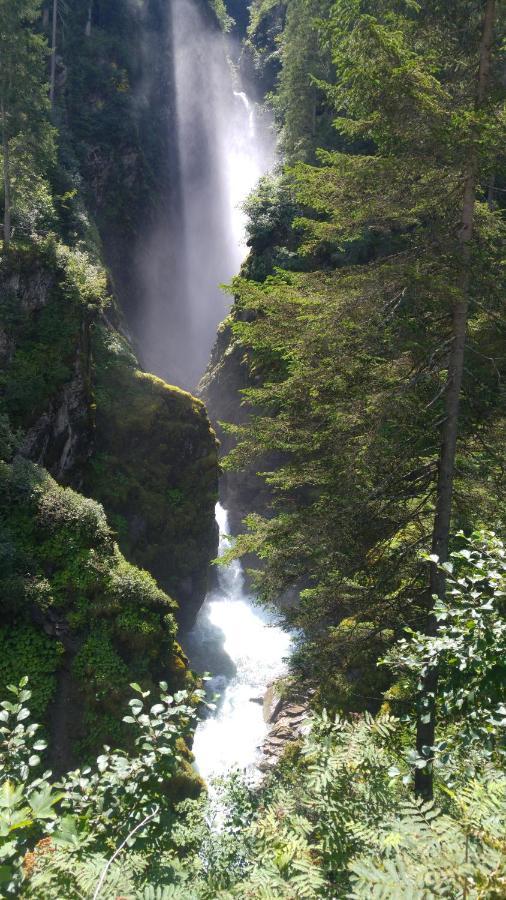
75 614
82 408
49 296
154 468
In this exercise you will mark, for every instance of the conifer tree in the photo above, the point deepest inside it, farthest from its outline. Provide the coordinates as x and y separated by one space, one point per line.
450 427
358 359
54 25
305 62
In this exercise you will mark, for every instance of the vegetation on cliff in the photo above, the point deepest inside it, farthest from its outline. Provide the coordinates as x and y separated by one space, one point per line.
337 818
74 400
367 345
154 467
72 606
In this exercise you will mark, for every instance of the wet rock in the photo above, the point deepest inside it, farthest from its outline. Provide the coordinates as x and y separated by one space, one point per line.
288 720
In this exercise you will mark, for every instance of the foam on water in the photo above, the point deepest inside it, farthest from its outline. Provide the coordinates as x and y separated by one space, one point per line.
255 648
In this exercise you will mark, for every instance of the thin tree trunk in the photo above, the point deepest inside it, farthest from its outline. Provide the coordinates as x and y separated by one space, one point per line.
53 55
7 182
425 737
87 30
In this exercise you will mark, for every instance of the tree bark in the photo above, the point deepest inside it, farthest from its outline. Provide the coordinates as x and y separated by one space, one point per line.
425 737
53 55
6 180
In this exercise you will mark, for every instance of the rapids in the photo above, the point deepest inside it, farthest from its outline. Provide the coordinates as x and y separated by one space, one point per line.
244 650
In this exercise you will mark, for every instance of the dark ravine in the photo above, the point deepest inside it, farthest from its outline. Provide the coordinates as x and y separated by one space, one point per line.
78 401
227 375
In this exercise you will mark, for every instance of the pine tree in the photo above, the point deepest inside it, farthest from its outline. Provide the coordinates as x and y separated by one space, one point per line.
54 26
450 427
351 357
299 99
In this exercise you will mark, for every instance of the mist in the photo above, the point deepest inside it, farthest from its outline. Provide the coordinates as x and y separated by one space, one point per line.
220 148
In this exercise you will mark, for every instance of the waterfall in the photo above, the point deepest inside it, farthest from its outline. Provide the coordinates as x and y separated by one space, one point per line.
219 147
222 151
245 650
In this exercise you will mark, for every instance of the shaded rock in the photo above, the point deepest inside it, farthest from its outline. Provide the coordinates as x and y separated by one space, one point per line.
155 469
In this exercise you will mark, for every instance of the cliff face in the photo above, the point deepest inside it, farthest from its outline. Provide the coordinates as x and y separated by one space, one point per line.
117 97
227 375
74 401
76 618
94 420
78 413
45 361
154 467
118 101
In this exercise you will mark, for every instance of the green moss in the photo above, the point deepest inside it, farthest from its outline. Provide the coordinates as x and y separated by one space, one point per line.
63 573
153 463
99 667
154 467
47 293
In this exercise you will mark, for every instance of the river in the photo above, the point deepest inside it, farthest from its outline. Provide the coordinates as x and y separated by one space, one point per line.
244 649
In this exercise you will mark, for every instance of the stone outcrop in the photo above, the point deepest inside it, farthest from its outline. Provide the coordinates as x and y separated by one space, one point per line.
155 469
44 355
83 409
288 721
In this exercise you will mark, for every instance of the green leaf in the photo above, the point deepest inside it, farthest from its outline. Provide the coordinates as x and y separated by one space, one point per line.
42 802
10 795
67 833
6 874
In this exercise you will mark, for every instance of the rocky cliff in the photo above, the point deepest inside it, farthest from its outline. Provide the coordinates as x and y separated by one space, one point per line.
72 387
74 402
227 375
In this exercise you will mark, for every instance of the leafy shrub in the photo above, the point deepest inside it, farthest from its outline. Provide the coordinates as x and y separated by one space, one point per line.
25 650
337 823
57 840
469 648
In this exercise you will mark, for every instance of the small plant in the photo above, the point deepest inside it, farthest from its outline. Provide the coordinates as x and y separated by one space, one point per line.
469 649
27 799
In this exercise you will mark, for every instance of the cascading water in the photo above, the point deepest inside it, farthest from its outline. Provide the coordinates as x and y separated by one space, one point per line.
222 152
245 650
220 147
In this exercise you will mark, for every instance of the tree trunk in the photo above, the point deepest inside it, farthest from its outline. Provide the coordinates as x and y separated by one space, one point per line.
87 30
7 182
53 55
425 736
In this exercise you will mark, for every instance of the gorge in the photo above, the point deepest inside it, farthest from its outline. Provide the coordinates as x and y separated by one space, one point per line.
252 308
170 148
224 145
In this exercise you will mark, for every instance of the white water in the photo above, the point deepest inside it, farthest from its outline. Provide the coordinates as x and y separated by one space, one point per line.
222 151
232 632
